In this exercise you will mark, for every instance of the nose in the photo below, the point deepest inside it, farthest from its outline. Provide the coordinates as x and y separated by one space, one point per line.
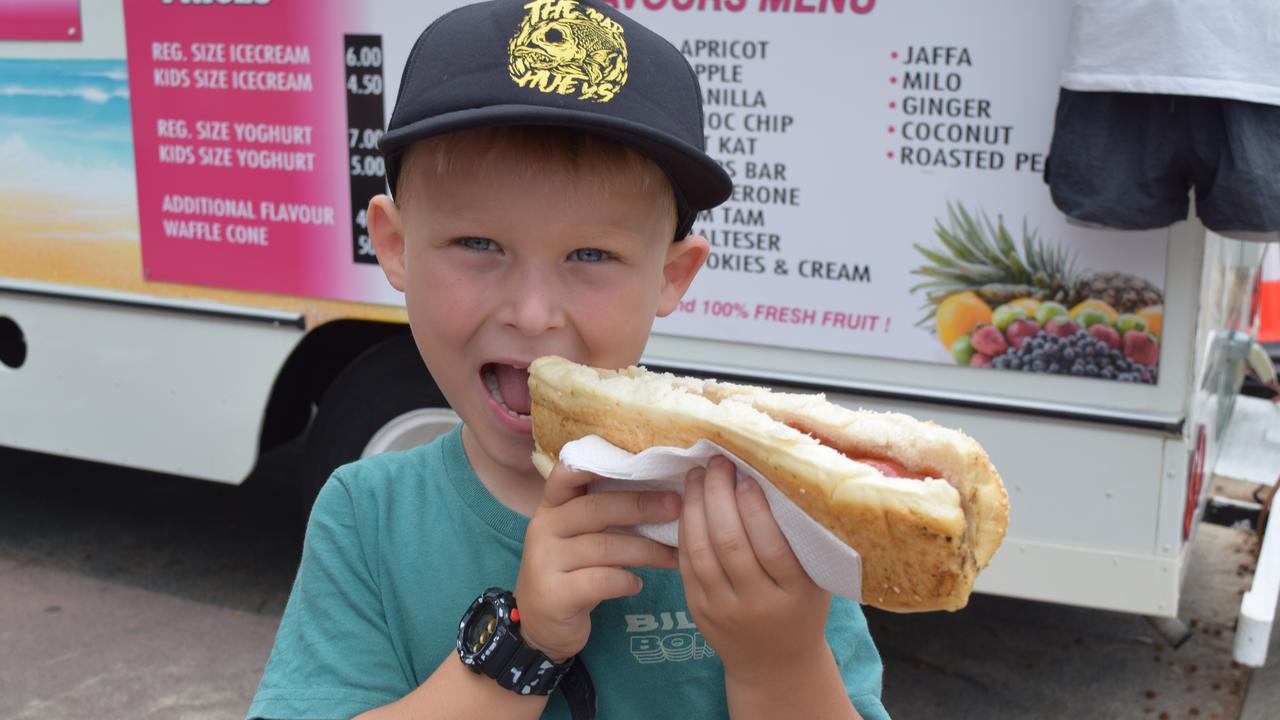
533 302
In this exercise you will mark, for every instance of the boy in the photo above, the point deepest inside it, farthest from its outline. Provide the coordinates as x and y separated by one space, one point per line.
547 163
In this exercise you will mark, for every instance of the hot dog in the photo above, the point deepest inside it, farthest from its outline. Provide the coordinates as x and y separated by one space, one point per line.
921 504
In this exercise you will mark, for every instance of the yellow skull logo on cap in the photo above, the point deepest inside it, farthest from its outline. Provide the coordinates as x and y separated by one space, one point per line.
563 48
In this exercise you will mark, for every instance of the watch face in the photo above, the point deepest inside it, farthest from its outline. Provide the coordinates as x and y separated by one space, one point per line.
481 628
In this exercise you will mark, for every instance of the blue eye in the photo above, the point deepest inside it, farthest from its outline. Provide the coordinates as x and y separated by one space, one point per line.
478 244
590 255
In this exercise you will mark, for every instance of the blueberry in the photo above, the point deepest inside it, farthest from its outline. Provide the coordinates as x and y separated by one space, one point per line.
1015 363
1055 368
1069 354
1077 367
999 362
1038 365
1091 371
1108 374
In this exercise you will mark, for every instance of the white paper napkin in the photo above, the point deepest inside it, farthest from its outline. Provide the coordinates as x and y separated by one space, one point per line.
833 565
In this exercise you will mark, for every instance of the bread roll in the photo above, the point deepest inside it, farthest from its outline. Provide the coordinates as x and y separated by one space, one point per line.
922 538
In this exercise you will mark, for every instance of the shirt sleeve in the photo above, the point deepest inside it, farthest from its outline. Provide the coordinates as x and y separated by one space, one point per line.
333 656
857 658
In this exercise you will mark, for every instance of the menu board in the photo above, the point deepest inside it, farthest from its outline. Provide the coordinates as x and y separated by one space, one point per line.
888 163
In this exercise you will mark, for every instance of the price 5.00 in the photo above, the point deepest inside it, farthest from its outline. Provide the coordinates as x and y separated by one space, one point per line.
368 166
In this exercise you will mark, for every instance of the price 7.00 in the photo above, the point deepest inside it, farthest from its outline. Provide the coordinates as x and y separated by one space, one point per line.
364 139
368 166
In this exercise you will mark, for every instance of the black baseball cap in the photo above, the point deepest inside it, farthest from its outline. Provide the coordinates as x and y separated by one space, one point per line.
572 63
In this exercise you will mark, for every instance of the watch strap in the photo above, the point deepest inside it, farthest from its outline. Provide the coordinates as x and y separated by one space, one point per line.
579 691
529 672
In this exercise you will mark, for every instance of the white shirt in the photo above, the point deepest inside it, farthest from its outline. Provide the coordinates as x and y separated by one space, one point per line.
1211 48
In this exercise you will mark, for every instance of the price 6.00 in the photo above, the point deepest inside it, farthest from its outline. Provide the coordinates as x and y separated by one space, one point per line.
364 57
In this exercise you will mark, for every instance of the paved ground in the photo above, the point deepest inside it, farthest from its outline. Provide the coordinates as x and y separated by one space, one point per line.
126 594
1003 659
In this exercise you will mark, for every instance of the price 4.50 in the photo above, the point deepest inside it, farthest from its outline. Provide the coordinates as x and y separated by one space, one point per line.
364 84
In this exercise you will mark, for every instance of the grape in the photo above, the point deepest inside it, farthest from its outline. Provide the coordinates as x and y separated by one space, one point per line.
1079 354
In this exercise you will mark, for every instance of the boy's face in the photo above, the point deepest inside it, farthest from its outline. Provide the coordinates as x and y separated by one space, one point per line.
497 270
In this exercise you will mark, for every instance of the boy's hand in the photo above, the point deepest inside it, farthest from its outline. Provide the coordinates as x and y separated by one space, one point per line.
749 596
571 564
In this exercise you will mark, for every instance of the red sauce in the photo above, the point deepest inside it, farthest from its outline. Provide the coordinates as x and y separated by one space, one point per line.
886 467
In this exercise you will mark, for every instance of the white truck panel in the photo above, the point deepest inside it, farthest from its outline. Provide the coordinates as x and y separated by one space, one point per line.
1258 607
171 386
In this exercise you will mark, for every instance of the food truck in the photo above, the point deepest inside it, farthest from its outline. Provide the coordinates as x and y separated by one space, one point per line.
186 279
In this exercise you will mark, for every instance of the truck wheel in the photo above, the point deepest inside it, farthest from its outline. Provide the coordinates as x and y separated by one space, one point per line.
384 400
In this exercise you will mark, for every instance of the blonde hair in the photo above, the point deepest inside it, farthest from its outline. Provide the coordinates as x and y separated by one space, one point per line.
528 151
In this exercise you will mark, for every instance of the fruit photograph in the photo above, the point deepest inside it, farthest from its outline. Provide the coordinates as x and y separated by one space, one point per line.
994 302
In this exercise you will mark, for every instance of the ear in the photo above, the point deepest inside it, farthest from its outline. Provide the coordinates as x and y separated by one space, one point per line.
386 230
684 259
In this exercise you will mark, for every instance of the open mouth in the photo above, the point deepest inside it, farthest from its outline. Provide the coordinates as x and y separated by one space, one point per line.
509 387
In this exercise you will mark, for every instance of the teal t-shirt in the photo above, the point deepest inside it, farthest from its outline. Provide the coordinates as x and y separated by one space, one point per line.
398 546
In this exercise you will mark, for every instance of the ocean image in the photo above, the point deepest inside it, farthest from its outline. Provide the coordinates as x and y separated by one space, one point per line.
66 147
68 200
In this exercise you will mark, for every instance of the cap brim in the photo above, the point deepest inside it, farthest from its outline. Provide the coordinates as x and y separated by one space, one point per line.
699 179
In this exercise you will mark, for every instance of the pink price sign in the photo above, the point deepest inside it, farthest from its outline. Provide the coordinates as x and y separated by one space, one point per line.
56 20
255 131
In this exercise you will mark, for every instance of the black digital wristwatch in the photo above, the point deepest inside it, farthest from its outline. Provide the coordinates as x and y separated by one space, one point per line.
489 643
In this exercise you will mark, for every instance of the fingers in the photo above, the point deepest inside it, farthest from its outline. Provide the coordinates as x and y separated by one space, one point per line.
564 484
589 587
728 537
696 554
610 549
593 513
772 550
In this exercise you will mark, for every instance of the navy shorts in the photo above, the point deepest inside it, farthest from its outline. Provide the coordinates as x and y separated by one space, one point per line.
1128 161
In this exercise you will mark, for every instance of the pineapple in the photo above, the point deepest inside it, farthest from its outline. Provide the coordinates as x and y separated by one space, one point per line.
984 258
1126 293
